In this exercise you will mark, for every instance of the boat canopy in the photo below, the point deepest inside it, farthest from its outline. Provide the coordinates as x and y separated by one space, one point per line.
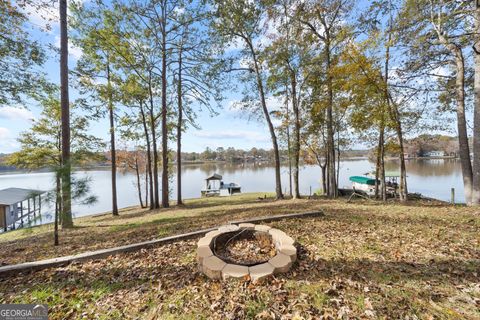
363 180
215 176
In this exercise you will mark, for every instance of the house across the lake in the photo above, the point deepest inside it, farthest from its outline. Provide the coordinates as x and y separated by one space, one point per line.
18 206
434 154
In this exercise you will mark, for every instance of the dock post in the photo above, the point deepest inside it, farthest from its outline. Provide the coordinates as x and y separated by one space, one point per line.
453 195
21 213
28 213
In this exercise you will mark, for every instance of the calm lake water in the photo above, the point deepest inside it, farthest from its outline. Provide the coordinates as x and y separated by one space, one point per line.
431 178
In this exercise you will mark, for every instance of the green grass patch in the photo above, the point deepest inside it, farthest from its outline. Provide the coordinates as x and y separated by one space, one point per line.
315 292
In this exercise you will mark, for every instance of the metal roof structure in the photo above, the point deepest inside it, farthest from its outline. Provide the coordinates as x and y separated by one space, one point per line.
215 176
363 180
15 195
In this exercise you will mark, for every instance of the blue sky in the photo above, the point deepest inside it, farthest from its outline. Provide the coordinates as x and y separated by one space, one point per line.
228 129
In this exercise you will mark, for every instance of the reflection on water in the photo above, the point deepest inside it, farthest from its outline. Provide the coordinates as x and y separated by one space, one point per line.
432 178
428 167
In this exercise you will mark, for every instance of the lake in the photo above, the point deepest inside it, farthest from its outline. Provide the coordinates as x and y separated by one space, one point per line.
432 178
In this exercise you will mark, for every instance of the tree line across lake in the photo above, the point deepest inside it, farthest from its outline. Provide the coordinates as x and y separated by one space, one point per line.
321 75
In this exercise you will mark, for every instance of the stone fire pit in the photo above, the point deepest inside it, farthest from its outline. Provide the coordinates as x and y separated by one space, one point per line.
245 250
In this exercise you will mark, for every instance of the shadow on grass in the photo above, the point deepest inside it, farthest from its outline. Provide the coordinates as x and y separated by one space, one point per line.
387 272
83 239
108 278
424 220
216 216
188 205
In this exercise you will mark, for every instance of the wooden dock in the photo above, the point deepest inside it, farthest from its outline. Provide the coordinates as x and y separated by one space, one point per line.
19 206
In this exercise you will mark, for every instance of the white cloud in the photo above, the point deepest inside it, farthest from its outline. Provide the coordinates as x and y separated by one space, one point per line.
7 143
4 133
46 17
441 71
251 136
275 103
234 106
43 16
73 50
212 145
15 113
235 45
179 10
246 63
237 106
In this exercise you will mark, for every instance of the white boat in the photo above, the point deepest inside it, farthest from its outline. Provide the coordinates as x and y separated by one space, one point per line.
214 186
363 184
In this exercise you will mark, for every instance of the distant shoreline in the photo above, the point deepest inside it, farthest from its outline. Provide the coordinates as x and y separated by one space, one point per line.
425 158
9 170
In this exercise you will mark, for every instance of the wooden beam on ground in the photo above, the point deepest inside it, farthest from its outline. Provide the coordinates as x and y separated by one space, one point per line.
99 254
281 217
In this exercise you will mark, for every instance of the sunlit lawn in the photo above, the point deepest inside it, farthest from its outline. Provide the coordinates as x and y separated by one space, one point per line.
361 260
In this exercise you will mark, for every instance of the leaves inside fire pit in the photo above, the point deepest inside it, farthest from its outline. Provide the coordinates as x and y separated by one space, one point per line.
245 247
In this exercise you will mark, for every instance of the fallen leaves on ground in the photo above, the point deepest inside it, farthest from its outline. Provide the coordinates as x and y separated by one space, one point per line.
245 247
360 261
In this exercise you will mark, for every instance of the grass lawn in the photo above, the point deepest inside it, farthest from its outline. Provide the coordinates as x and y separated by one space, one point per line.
362 260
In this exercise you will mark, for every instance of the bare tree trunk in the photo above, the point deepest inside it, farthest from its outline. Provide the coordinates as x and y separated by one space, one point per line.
332 192
179 130
67 221
322 166
476 112
139 187
464 148
289 148
387 102
290 187
377 169
156 203
462 128
113 152
278 182
381 169
165 190
324 178
327 160
149 157
403 189
147 171
395 114
58 206
337 175
296 136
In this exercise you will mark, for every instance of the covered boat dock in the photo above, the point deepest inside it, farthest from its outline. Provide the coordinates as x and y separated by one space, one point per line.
18 206
214 186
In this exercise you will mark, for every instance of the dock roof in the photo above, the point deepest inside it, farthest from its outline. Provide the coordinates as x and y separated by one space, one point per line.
215 176
363 180
14 195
